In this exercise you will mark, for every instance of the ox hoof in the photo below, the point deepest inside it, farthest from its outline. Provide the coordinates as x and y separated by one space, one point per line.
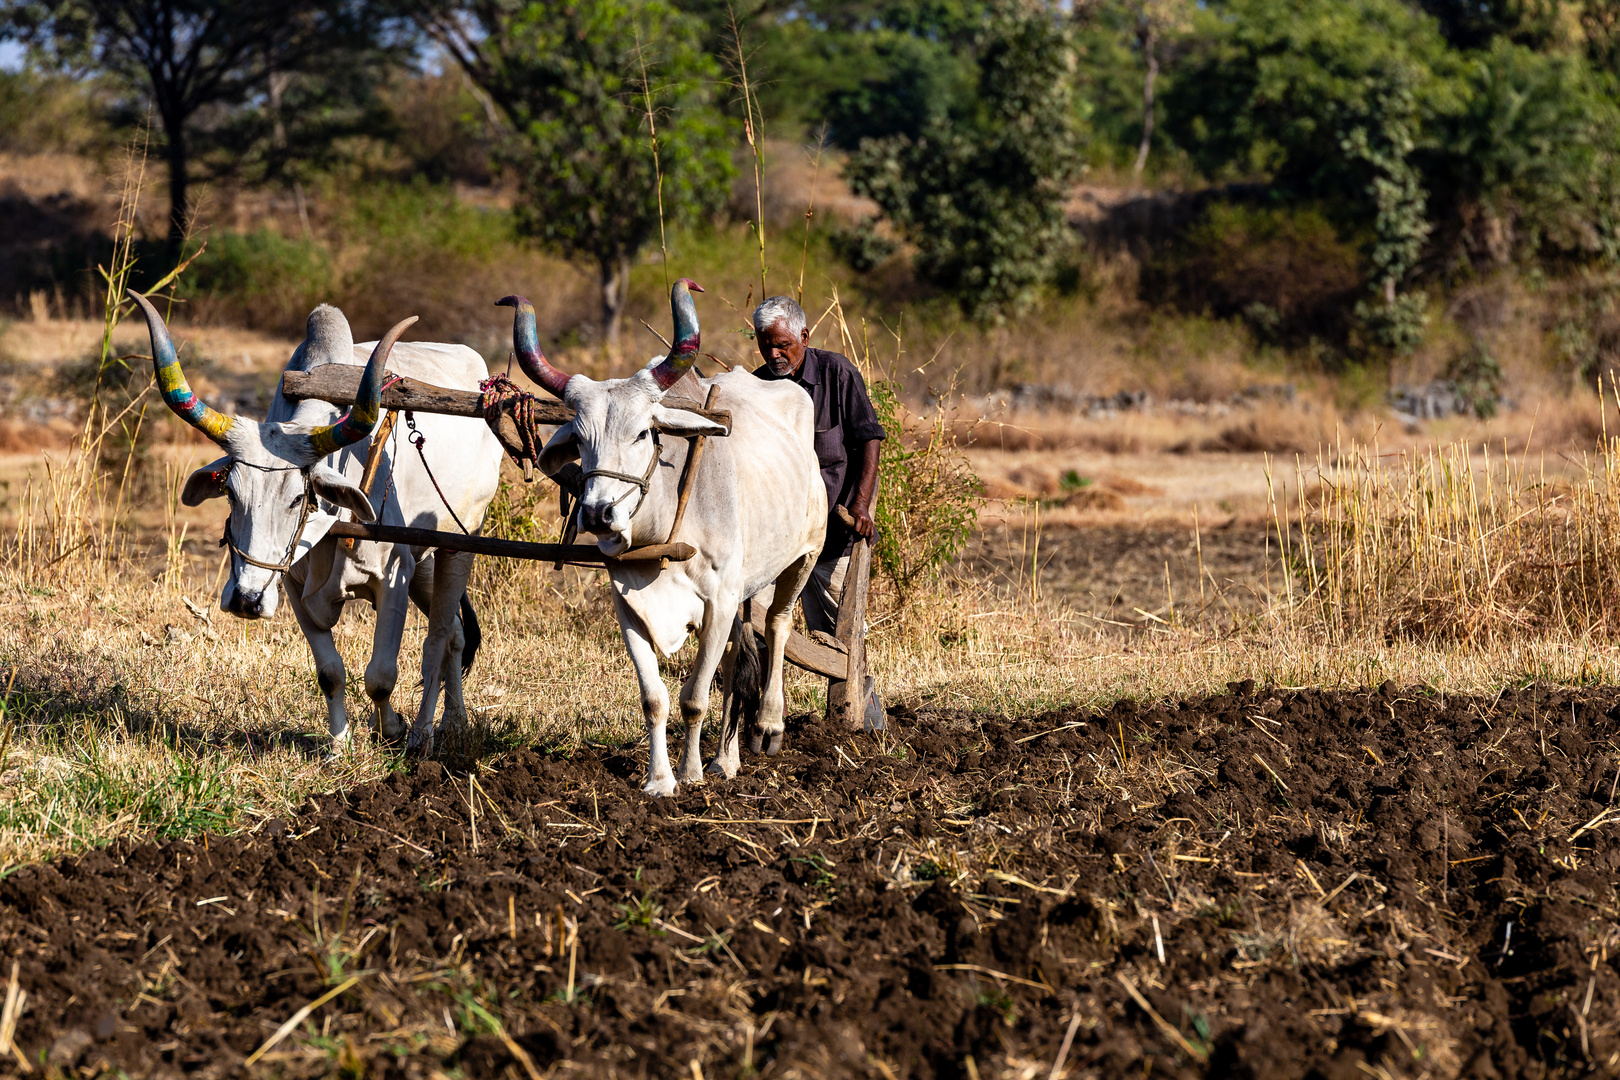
659 788
721 768
876 718
773 743
418 746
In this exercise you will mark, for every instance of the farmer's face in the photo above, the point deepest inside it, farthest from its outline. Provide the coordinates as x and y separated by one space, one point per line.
781 349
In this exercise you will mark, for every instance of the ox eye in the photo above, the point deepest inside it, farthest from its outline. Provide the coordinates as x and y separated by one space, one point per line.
643 435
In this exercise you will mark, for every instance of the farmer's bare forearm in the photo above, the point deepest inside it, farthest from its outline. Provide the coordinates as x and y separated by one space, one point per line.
867 488
869 476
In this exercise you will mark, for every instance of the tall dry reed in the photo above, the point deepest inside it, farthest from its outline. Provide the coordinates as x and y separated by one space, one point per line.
73 519
1462 542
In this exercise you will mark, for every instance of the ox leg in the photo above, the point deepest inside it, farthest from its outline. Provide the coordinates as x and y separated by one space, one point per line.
654 700
718 618
329 672
729 759
458 570
382 671
441 651
778 625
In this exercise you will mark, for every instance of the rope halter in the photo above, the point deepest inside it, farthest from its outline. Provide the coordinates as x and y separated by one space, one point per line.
306 505
639 483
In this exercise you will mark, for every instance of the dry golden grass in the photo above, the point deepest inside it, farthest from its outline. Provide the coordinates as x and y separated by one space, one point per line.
1455 543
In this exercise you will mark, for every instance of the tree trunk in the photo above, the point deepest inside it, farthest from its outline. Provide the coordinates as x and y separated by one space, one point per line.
615 289
1148 36
278 82
179 216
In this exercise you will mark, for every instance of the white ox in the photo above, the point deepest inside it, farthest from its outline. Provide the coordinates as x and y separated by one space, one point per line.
757 516
286 479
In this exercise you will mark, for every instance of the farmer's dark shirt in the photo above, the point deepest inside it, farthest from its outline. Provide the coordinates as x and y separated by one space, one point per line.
845 422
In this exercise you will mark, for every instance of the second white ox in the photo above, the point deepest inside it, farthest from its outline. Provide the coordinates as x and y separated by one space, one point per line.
287 478
757 516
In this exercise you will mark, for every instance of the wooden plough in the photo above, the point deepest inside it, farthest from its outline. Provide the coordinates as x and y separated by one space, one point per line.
840 658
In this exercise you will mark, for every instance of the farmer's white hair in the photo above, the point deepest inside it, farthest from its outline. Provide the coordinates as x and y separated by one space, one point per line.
779 309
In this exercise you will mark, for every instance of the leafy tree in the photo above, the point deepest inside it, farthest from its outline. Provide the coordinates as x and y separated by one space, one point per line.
1332 103
1361 108
907 64
1469 24
570 79
980 192
1532 154
913 84
189 59
1587 27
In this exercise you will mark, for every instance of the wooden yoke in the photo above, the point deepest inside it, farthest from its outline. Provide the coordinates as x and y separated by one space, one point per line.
337 384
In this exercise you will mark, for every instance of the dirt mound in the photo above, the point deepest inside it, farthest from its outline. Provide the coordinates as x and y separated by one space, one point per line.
1265 883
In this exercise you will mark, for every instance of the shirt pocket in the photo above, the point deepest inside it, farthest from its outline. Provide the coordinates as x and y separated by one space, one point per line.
830 446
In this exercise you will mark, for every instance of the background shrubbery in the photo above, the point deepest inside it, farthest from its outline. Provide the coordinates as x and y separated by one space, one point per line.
1325 176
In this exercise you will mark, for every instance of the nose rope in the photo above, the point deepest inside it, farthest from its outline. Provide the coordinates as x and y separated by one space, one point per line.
641 483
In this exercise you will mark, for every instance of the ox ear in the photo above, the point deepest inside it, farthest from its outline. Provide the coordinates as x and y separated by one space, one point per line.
561 448
681 422
334 487
206 483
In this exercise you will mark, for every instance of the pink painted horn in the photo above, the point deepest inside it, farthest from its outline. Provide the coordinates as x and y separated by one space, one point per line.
526 343
684 352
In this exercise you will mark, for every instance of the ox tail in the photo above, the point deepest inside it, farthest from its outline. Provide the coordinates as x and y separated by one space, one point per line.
472 634
747 681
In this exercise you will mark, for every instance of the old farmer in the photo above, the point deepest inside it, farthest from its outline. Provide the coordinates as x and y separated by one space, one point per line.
848 438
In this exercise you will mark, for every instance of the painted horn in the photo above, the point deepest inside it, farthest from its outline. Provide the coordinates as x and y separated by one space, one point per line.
687 337
362 415
172 381
526 343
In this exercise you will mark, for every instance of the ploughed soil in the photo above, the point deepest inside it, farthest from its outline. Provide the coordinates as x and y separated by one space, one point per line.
1268 883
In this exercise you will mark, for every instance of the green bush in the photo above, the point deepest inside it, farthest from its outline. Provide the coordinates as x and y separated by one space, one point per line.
259 279
1284 270
861 247
1331 103
928 498
980 194
1478 378
40 113
1534 148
